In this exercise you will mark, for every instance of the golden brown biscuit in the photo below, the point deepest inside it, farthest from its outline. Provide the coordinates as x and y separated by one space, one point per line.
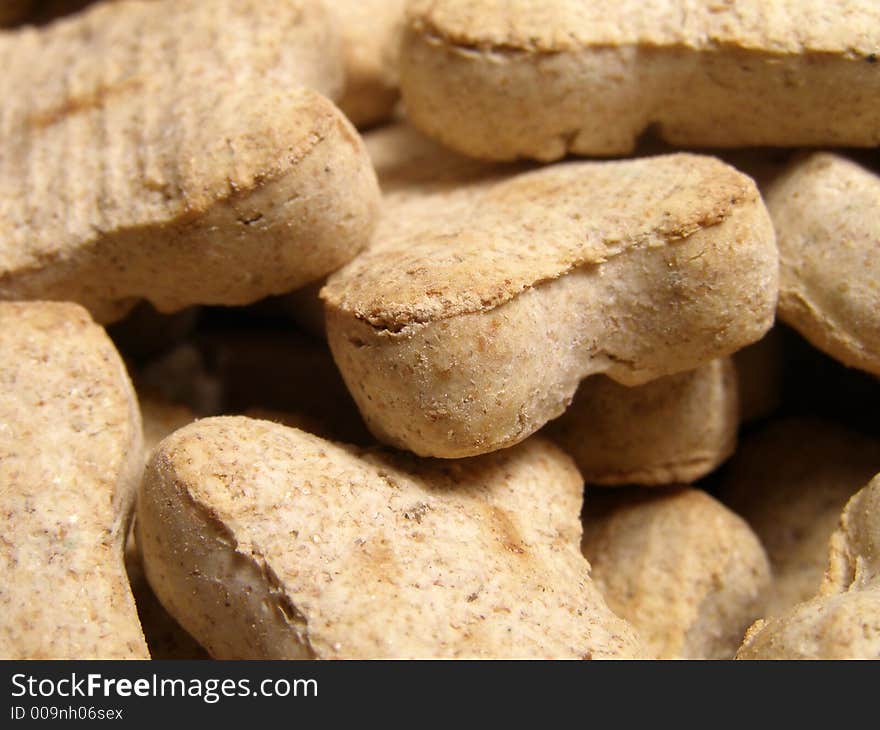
487 294
674 429
789 481
70 461
180 158
843 621
684 570
267 542
517 78
824 209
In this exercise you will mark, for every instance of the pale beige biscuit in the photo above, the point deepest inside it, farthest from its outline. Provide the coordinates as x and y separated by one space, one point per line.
517 78
825 210
267 542
675 429
843 621
180 158
487 295
672 430
685 571
70 461
370 37
789 481
759 376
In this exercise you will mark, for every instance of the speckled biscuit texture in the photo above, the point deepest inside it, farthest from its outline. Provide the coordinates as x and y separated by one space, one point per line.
825 210
675 429
683 569
521 78
70 461
268 542
183 157
160 418
488 294
843 621
789 481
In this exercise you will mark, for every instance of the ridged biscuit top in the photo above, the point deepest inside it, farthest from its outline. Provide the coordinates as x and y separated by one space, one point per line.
137 112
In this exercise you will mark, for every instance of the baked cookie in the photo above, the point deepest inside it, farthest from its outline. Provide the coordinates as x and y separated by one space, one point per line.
184 156
517 78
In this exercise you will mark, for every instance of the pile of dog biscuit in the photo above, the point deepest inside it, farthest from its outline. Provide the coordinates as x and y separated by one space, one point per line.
440 329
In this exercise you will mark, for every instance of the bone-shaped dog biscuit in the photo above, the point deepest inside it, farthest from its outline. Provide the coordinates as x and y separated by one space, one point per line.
682 568
789 481
519 78
370 36
174 151
267 542
487 295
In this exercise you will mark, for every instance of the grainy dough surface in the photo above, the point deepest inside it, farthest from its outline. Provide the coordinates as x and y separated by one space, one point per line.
843 620
826 210
519 78
180 156
309 549
489 292
683 569
70 460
